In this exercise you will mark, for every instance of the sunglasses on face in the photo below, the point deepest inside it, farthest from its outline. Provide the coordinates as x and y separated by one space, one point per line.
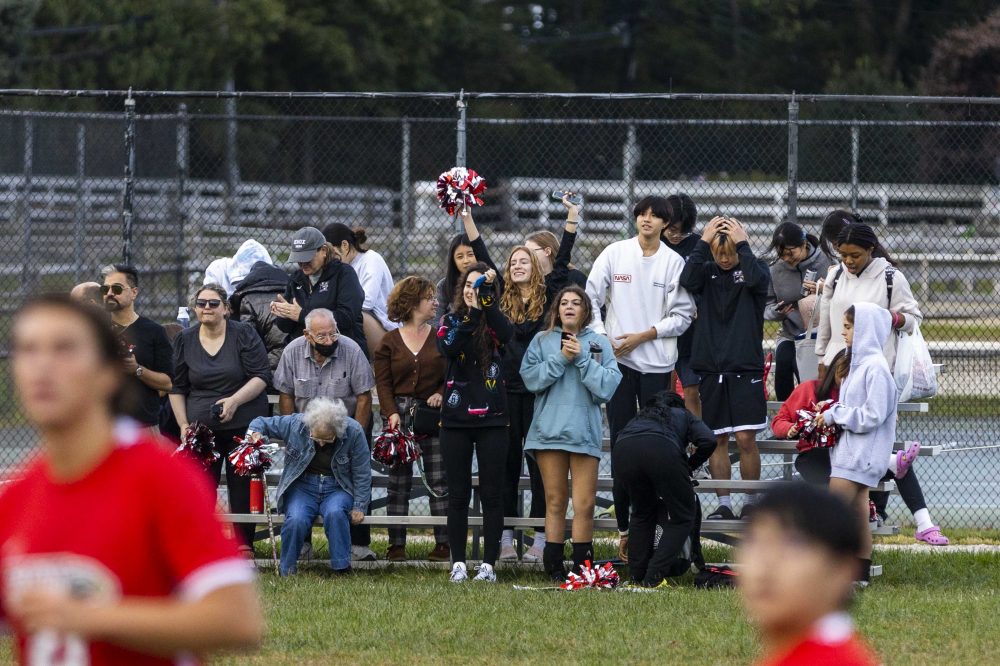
115 289
209 304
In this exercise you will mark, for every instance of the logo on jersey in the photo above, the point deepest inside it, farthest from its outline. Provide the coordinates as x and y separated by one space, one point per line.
738 277
453 399
493 371
622 277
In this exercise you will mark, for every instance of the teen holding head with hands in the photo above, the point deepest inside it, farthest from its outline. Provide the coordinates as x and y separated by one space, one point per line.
572 371
474 415
531 289
728 354
637 280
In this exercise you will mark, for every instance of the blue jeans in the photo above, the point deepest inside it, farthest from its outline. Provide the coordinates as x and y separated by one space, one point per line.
309 496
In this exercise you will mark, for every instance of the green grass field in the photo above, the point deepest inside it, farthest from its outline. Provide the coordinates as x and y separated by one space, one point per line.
935 607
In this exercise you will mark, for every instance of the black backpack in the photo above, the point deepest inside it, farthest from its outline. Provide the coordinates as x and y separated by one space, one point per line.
715 577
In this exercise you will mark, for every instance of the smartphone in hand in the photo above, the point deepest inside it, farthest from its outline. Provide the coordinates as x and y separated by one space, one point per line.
576 199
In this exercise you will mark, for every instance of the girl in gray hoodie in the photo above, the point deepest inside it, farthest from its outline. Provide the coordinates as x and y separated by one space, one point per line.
866 410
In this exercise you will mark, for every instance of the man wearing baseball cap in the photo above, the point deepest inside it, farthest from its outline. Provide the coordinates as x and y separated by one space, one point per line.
322 281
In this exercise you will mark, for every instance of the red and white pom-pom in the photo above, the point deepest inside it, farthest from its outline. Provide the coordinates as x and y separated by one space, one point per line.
198 444
395 447
251 457
460 188
812 436
603 577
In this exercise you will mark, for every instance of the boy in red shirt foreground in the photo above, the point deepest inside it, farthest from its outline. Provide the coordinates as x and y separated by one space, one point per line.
798 565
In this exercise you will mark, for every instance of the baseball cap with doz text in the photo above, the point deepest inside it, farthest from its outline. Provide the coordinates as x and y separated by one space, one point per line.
305 243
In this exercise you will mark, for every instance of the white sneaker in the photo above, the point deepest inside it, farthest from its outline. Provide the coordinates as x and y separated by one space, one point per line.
532 556
508 553
486 574
459 574
362 554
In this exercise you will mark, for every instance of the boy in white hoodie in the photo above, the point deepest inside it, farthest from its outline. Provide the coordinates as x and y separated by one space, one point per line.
866 410
647 310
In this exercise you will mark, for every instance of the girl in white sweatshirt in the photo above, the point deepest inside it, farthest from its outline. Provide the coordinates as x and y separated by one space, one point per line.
866 410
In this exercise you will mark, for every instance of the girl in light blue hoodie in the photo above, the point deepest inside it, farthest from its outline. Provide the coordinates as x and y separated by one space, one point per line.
571 370
866 410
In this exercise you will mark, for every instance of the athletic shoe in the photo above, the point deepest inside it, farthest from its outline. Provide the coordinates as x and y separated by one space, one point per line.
441 553
722 513
306 552
459 574
746 511
532 556
485 574
396 554
362 554
508 553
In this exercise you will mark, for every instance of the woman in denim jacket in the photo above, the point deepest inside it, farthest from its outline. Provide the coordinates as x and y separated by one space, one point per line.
327 472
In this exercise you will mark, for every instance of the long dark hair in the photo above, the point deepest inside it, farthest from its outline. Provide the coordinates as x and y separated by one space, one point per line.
839 367
552 320
863 236
834 224
658 407
336 233
485 341
789 234
110 346
451 274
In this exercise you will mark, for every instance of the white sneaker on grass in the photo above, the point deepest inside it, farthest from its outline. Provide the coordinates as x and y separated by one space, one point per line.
459 574
486 573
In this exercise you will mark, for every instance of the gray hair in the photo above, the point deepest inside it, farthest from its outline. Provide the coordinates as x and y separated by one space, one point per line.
326 412
321 312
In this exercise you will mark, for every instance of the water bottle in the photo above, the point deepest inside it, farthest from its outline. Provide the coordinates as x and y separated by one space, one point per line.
183 318
809 276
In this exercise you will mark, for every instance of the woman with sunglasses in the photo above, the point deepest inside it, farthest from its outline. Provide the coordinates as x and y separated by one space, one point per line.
220 372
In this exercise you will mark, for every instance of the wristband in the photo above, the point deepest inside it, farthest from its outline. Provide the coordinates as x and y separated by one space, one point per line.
623 534
897 320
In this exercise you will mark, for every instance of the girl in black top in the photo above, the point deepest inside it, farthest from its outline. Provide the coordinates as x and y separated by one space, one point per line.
474 414
526 301
220 372
464 251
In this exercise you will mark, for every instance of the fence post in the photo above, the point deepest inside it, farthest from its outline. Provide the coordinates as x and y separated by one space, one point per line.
405 198
460 142
129 178
793 160
630 161
79 208
855 157
183 134
27 166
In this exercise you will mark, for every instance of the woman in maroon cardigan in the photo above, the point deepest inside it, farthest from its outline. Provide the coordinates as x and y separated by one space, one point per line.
409 370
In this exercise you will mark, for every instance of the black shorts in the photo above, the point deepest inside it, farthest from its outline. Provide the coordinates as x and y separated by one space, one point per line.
684 372
733 402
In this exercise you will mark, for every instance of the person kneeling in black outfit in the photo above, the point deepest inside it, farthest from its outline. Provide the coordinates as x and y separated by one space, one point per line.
650 457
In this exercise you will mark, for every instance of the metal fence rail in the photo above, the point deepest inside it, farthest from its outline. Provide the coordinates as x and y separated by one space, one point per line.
173 179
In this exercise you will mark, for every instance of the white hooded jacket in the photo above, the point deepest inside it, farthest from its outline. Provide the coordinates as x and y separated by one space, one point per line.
867 405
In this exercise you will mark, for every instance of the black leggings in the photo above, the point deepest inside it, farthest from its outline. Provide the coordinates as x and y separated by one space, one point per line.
490 447
656 475
521 407
634 389
786 371
238 486
814 466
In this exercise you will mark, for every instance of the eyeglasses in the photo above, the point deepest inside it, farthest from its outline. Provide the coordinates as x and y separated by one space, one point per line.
325 337
207 304
115 289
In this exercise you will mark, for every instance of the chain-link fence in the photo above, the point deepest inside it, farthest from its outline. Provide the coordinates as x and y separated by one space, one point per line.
174 180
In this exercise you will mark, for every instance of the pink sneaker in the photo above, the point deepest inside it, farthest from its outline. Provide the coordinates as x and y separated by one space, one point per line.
932 536
906 458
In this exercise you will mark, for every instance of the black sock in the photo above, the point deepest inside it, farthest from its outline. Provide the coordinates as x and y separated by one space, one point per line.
552 560
582 553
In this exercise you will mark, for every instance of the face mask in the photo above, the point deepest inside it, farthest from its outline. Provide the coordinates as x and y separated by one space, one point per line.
325 350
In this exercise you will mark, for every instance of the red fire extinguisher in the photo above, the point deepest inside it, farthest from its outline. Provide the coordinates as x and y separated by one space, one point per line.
256 494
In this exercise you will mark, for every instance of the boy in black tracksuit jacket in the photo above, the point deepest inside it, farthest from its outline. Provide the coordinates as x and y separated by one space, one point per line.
338 289
728 351
474 418
650 458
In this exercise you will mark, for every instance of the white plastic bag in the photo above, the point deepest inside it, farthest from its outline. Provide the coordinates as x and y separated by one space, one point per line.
914 373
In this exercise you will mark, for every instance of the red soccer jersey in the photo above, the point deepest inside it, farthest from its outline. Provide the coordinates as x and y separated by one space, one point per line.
831 643
141 524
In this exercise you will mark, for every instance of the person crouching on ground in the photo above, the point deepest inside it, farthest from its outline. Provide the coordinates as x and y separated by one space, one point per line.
652 461
797 571
327 473
866 410
571 370
728 352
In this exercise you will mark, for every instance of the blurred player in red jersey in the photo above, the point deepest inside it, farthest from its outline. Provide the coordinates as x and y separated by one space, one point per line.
110 548
798 566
